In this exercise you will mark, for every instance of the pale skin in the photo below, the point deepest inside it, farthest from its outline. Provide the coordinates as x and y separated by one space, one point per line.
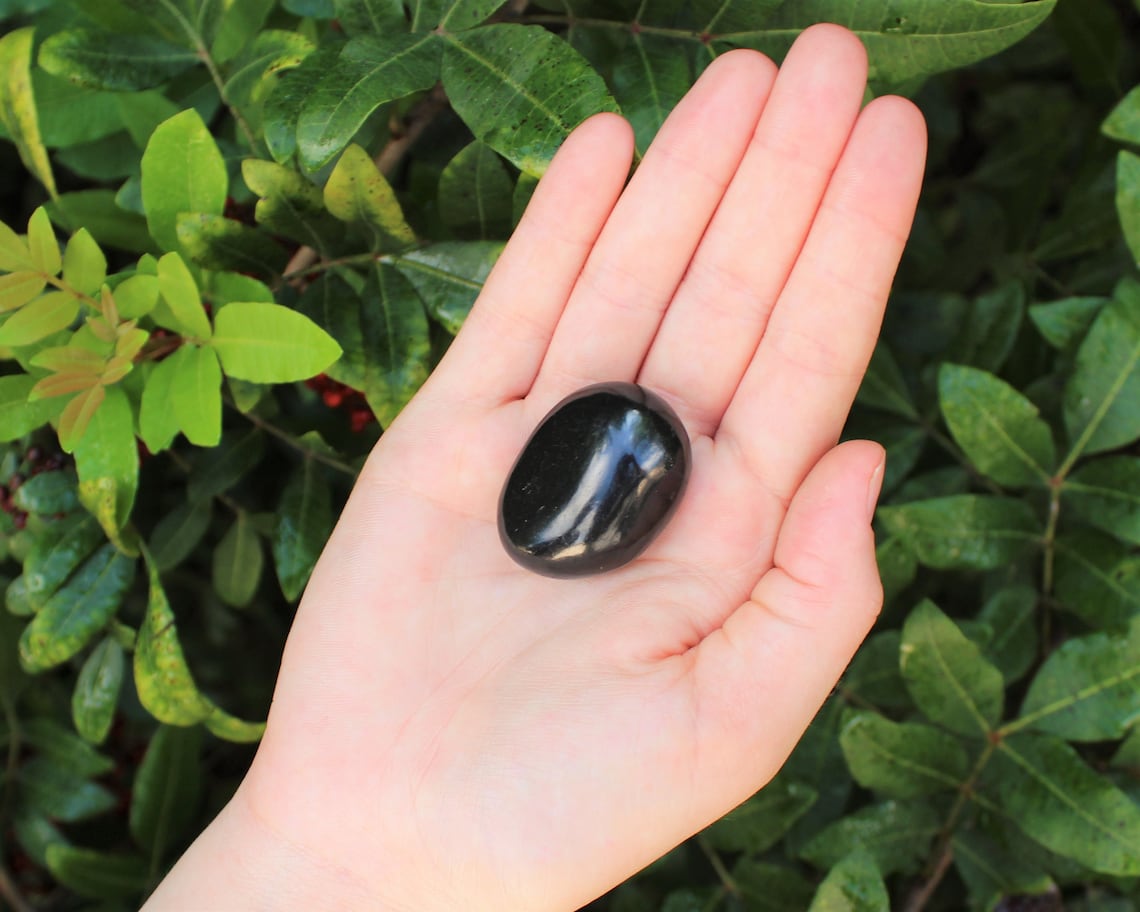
452 732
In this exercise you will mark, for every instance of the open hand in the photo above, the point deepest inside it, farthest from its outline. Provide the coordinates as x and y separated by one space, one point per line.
452 732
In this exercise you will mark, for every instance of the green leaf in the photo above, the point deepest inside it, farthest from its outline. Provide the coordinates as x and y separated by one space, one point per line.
215 242
450 15
369 17
163 681
521 90
449 277
901 760
853 885
991 871
77 611
1063 323
222 467
874 672
650 76
237 563
137 296
946 674
1102 396
237 24
196 394
474 195
178 533
64 749
35 321
1000 430
1123 123
97 875
182 171
61 547
84 265
1088 689
96 693
18 416
884 387
767 887
254 73
1096 578
268 343
395 335
107 461
1128 200
763 819
1105 493
965 530
99 212
910 38
1011 615
897 568
896 834
230 728
290 205
282 109
1060 803
990 327
14 253
48 493
180 292
42 244
60 792
118 62
356 192
369 72
304 523
158 424
18 105
167 790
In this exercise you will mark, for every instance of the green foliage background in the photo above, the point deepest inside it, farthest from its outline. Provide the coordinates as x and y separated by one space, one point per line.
211 201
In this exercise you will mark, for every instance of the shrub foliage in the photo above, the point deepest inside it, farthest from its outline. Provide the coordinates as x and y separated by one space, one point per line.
248 230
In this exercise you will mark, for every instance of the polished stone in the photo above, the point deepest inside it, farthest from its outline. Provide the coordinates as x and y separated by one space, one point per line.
596 482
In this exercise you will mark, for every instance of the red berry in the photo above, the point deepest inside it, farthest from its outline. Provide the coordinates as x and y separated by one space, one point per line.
333 398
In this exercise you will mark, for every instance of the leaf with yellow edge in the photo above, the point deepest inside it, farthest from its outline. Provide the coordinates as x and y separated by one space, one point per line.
357 192
42 244
165 686
77 416
18 105
231 728
39 319
18 288
107 462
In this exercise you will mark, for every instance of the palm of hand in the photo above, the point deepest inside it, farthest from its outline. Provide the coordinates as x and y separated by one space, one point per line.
526 742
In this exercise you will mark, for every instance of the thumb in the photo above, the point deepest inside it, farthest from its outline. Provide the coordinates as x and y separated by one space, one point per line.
777 657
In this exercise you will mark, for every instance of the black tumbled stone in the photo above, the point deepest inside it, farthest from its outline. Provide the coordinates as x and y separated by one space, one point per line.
596 482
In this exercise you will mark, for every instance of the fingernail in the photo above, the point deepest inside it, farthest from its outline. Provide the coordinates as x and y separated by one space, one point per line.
874 486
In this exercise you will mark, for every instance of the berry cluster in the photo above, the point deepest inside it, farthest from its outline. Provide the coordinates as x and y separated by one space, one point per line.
34 462
338 396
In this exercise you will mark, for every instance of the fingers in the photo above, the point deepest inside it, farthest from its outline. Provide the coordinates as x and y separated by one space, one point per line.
752 242
795 395
616 306
505 337
763 675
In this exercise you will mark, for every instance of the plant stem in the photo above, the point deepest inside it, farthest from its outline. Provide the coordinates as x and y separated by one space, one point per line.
572 21
215 74
722 873
11 895
944 849
299 445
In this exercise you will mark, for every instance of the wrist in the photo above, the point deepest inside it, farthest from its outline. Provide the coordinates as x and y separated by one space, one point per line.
240 863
